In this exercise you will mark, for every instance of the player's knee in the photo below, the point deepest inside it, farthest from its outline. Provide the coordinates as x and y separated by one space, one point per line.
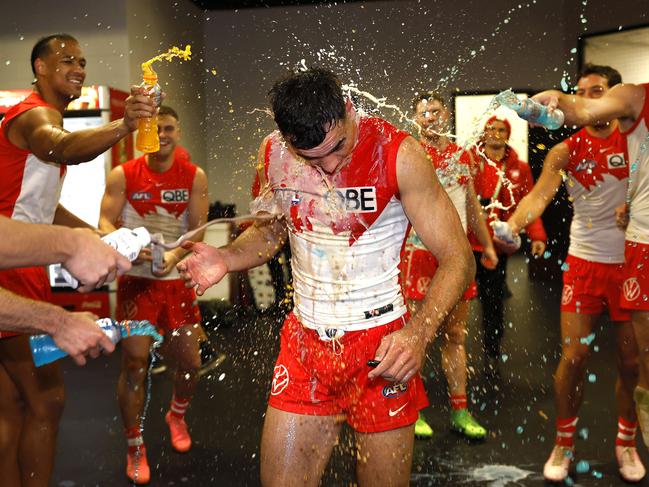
48 407
629 365
190 363
575 356
135 369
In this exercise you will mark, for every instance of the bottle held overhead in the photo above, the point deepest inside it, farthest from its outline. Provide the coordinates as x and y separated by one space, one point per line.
531 110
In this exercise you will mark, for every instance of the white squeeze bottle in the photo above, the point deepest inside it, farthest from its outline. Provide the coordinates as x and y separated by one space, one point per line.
126 241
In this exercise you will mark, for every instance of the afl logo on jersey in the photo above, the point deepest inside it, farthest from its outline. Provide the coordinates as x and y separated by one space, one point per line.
141 196
586 165
175 195
616 161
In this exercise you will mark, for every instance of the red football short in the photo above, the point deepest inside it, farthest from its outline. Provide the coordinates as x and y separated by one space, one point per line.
167 304
418 266
635 277
324 378
28 282
590 287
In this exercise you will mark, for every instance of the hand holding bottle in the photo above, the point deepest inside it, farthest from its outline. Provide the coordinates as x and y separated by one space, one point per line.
505 238
138 106
537 111
147 139
70 337
92 261
78 335
126 242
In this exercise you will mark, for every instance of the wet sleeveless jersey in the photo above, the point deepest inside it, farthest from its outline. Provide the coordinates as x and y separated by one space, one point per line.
452 166
159 202
346 230
597 178
29 188
636 141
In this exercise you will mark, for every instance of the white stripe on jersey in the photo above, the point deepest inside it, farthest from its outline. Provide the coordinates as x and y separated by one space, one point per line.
336 283
40 191
594 236
638 229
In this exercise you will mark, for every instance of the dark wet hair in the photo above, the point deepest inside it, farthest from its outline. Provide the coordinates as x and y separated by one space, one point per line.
305 104
612 75
43 48
166 110
426 95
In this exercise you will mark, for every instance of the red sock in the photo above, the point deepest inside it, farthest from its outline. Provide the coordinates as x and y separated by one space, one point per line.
458 401
178 406
134 439
625 432
565 431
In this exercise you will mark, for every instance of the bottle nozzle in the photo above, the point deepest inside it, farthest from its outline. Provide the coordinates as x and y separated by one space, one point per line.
143 236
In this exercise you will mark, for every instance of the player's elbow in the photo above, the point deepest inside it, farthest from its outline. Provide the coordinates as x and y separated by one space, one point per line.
585 116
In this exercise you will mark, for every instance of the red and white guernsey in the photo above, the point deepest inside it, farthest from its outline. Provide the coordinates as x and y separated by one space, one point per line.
346 231
452 166
597 178
29 188
159 202
637 148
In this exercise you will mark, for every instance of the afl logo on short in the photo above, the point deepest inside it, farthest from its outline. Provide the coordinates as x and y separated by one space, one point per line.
280 380
616 161
631 289
175 195
394 390
566 295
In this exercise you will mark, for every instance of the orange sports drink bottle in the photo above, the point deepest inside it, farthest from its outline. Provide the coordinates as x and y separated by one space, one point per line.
147 140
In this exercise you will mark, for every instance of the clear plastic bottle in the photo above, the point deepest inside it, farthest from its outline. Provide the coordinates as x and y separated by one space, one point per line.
147 139
157 253
45 350
531 110
126 241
